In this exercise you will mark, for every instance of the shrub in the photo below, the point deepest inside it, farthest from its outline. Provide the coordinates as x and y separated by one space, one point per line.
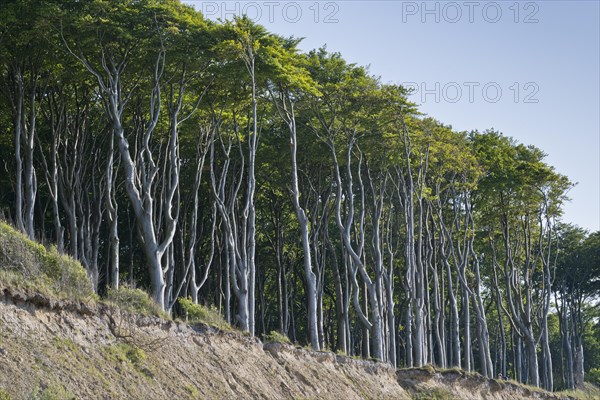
18 253
594 376
199 313
124 352
277 337
134 301
27 264
68 275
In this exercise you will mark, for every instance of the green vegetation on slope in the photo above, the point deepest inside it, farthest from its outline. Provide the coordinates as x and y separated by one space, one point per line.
25 264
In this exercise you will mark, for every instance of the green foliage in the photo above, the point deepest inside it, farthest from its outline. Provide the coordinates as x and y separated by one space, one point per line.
65 344
134 301
53 392
589 392
193 391
277 337
195 313
4 395
27 264
594 376
127 353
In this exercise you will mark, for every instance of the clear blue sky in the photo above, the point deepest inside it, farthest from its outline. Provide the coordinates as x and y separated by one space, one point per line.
544 57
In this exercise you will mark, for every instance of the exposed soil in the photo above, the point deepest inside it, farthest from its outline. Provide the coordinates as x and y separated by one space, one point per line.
97 352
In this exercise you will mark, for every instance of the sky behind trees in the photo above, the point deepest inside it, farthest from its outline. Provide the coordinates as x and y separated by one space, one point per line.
543 56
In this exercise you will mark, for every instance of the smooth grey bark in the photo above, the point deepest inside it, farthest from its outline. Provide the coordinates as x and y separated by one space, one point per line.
341 298
276 214
17 98
454 356
520 305
251 208
487 366
503 345
437 288
225 197
194 285
248 55
378 190
357 263
545 255
388 277
141 172
579 366
24 99
29 129
415 335
56 117
112 215
287 113
316 203
567 355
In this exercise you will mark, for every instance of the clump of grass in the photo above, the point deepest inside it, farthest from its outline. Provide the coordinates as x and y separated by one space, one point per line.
193 391
589 392
199 313
126 353
594 377
29 265
135 301
4 395
65 344
53 392
277 337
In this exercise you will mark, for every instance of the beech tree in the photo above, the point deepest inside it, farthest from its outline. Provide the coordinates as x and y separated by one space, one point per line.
291 191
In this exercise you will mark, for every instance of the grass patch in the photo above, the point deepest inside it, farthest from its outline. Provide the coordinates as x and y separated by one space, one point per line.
65 344
4 395
195 313
192 391
589 392
29 265
135 301
126 353
277 337
53 392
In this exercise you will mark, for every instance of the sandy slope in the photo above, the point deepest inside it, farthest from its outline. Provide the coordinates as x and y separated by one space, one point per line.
94 352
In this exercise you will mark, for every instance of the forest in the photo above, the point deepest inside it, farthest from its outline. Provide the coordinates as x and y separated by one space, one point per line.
290 191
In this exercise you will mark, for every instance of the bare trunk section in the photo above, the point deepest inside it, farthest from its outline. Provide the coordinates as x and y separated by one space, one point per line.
287 112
